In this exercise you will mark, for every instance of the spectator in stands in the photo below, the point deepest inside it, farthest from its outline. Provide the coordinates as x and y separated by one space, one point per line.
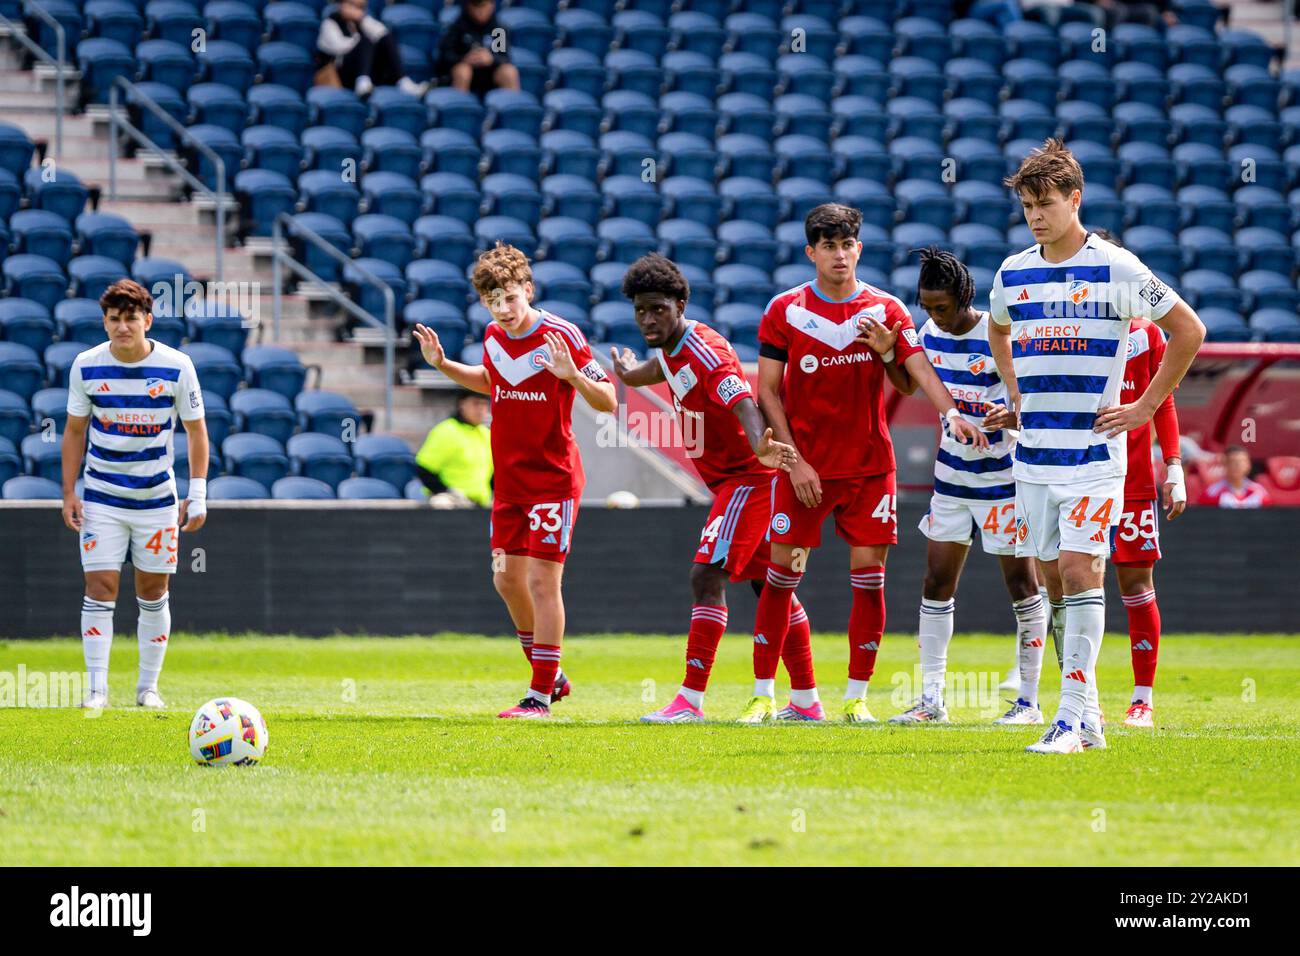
472 54
357 52
455 461
1235 489
1152 13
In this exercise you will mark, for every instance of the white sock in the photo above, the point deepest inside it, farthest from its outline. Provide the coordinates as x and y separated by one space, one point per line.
1031 635
154 630
1143 694
1085 622
538 695
935 635
856 690
765 688
97 641
694 697
804 698
1092 704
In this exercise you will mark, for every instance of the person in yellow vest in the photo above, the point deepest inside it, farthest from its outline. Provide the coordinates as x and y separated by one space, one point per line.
455 461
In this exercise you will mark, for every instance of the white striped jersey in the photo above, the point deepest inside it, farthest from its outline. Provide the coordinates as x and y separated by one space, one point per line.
1068 320
133 409
964 363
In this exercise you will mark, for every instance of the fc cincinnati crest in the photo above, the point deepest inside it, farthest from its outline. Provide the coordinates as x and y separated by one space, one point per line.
155 387
780 522
88 540
976 363
1078 292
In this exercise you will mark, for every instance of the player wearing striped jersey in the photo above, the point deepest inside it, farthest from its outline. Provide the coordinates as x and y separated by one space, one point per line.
974 493
534 364
127 395
823 346
734 456
1061 312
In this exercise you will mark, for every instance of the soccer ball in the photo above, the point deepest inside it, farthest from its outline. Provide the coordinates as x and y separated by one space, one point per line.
228 731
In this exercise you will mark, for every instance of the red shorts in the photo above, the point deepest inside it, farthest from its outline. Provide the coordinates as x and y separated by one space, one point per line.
735 536
543 530
1136 539
865 512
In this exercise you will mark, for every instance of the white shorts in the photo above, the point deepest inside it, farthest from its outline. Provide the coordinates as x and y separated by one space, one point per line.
1068 517
108 535
956 519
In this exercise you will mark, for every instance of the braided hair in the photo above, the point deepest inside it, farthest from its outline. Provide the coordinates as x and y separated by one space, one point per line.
942 271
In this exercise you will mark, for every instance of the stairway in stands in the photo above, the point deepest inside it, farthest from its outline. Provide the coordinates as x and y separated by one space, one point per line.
150 196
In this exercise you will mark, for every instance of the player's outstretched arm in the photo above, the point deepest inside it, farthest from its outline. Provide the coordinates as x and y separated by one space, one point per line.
600 395
473 377
882 339
918 367
73 450
1186 333
635 374
194 509
769 452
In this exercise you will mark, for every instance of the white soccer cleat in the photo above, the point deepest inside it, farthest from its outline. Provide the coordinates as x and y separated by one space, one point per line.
1059 739
95 700
1091 739
1021 712
922 712
1139 715
150 699
678 711
1011 682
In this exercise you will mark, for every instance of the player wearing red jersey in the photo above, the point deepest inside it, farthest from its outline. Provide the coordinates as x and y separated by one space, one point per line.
821 388
734 455
534 364
1135 541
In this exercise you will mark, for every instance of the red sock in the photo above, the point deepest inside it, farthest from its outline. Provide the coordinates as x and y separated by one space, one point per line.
796 652
1144 635
772 620
546 661
866 620
526 642
708 622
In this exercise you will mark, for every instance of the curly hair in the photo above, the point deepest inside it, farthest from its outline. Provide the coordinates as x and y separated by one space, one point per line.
1050 167
499 267
656 273
943 272
832 220
126 295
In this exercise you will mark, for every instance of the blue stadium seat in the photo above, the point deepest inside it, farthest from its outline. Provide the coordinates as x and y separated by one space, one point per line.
332 230
114 20
327 413
26 323
332 150
26 487
275 368
297 487
11 465
513 197
1275 325
1208 206
40 232
318 458
392 194
263 195
294 23
877 203
274 105
444 318
391 150
35 277
394 109
104 234
1026 119
234 21
1136 82
11 194
1032 80
285 64
1200 165
744 284
385 457
220 422
748 243
571 197
85 326
1223 325
980 246
1157 248
566 239
689 113
1245 46
631 196
1193 83
61 193
983 203
974 79
1151 205
452 195
561 282
1269 290
451 151
174 20
455 109
21 370
325 192
805 115
566 152
869 36
445 238
1190 43
925 201
42 457
688 241
237 487
616 325
225 144
689 155
690 198
168 63
1265 250
1206 248
363 488
977 159
217 323
255 456
434 279
15 413
918 77
341 109
101 62
1253 125
1206 289
749 115
741 320
216 367
923 37
1256 206
577 65
264 412
1143 162
1081 120
751 34
513 152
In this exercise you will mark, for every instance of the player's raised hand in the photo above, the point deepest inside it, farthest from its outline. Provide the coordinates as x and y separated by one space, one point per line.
430 346
624 361
807 483
966 433
72 512
560 364
774 454
877 335
1121 418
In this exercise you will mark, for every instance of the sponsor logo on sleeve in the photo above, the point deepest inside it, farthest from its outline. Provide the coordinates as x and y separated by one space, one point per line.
910 336
732 386
194 398
1153 292
593 371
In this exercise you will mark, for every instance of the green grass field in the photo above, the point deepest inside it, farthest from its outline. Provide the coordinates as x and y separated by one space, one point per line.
386 751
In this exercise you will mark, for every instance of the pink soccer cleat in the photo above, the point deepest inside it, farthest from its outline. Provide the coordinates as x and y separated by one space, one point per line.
529 707
1139 715
679 711
792 712
563 687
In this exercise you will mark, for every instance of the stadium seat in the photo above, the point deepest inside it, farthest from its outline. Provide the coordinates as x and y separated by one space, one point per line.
298 487
294 23
101 62
364 488
567 196
81 320
236 488
42 455
328 228
28 323
1276 325
1223 325
392 150
857 157
29 488
276 368
263 412
1269 290
452 195
325 192
255 456
264 195
1266 250
1258 206
34 277
447 320
747 114
216 368
445 238
384 237
385 457
565 152
492 229
11 465
168 63
616 325
435 279
274 105
804 115
327 413
451 151
105 234
285 64
15 414
320 457
218 105
688 241
565 239
42 233
1152 206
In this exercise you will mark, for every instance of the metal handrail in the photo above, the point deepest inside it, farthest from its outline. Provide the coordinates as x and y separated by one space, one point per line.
144 99
281 256
19 32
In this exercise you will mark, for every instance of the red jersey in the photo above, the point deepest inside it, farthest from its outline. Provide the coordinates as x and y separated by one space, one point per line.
707 382
834 391
1223 495
1146 350
534 456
